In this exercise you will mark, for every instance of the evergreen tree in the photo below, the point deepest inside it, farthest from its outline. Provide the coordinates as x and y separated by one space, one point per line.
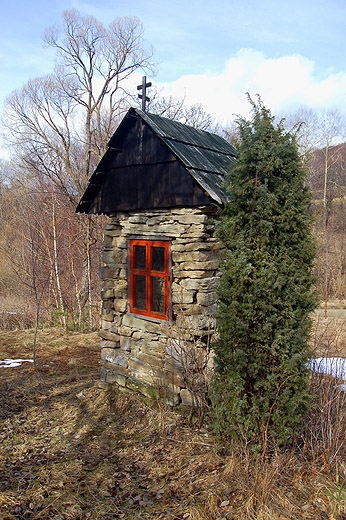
259 391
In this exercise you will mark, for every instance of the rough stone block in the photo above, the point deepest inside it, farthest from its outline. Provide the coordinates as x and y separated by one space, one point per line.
174 229
120 305
110 336
188 399
139 334
141 324
138 219
118 369
104 343
120 242
179 272
123 274
140 370
112 228
107 284
107 294
106 325
190 256
109 376
125 331
114 257
202 284
107 315
150 359
107 241
125 343
186 244
197 324
107 306
159 220
207 265
188 309
170 376
197 219
120 289
142 388
107 272
113 356
179 295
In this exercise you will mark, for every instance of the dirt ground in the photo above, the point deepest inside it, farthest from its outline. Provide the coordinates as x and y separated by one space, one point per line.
73 449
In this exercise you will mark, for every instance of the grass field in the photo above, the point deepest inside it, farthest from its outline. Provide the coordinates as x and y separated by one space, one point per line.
73 449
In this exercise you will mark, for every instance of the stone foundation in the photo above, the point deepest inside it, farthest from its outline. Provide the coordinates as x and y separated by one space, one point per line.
160 358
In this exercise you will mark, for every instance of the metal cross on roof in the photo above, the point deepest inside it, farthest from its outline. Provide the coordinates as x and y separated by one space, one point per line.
143 88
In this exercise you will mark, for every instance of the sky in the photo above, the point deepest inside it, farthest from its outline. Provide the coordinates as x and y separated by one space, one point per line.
292 53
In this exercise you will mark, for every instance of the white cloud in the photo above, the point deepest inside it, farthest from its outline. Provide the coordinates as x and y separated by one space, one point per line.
284 84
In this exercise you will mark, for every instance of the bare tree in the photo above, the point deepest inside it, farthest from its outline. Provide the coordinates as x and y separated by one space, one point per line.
331 131
304 122
9 288
60 122
27 253
319 135
177 109
59 125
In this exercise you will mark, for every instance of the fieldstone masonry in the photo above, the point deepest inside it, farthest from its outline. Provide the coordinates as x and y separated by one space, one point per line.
154 357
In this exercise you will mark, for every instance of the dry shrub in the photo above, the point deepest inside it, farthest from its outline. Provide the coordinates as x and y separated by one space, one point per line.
15 321
329 336
324 436
15 314
258 483
190 351
209 510
324 432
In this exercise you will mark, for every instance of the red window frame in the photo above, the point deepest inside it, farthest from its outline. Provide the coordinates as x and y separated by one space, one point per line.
150 275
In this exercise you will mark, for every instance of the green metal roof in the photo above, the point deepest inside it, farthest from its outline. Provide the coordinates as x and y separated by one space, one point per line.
206 156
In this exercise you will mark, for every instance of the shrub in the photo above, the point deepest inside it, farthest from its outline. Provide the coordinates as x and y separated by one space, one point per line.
259 390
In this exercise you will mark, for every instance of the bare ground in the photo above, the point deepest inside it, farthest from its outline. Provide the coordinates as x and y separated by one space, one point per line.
72 449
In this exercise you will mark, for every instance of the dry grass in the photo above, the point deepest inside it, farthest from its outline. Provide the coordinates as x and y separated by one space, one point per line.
71 449
15 313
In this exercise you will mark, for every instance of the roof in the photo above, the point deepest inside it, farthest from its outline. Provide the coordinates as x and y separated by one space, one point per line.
207 157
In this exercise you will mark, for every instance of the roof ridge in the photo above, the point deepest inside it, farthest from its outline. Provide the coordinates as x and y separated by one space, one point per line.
148 117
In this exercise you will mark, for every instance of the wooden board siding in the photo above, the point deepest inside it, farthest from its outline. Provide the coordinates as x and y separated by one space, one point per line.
147 176
149 186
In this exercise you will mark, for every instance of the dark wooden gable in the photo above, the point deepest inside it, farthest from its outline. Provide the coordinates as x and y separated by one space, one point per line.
146 167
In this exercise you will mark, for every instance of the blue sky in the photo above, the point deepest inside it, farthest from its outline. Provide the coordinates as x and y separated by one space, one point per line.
211 51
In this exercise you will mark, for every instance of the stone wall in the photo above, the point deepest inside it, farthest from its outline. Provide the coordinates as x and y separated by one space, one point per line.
155 357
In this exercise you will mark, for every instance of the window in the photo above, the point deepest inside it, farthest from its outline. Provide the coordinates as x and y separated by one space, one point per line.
150 278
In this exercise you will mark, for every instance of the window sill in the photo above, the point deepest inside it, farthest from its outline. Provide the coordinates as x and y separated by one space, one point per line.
149 318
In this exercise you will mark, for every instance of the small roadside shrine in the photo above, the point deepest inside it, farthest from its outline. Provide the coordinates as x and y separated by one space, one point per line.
159 183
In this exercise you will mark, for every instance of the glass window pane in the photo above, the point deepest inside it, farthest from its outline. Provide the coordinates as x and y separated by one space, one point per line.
158 255
158 286
140 260
140 292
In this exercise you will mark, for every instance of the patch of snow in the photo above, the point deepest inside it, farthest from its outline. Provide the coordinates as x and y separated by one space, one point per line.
10 363
334 366
11 312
